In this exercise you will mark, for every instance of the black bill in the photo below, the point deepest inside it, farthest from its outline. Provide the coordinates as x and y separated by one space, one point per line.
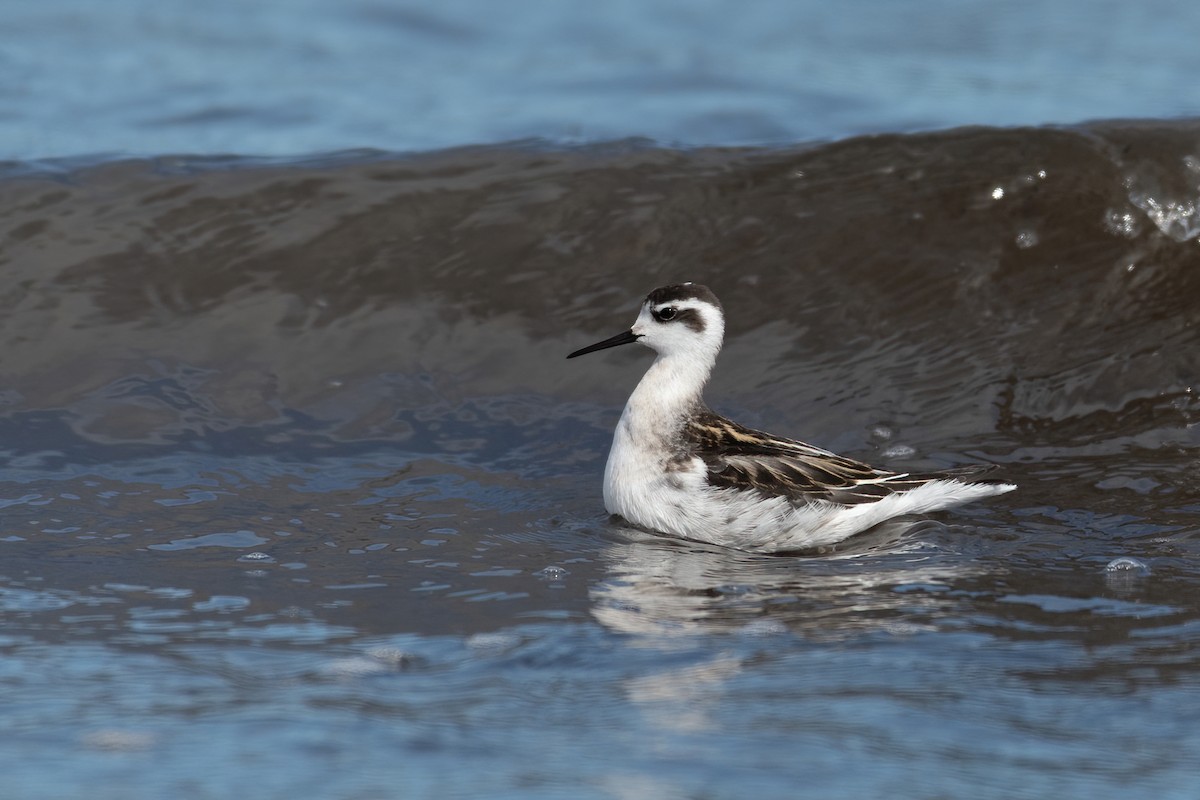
628 337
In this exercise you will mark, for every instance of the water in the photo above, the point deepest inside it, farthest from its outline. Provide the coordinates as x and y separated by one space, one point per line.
292 77
302 499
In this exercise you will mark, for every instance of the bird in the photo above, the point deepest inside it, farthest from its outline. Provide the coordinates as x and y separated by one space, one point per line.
678 468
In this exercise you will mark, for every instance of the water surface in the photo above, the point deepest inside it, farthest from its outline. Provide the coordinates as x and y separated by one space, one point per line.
301 497
293 77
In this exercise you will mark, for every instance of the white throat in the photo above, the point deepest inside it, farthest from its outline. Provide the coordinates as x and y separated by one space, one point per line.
671 387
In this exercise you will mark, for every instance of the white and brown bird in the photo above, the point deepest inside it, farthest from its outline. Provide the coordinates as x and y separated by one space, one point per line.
678 468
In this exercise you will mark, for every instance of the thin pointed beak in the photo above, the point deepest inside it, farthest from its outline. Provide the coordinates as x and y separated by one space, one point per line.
628 337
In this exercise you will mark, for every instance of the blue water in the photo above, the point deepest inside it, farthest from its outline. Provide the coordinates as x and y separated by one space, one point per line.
288 77
299 498
450 718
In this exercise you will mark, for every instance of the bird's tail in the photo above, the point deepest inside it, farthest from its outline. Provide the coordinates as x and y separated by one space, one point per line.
971 474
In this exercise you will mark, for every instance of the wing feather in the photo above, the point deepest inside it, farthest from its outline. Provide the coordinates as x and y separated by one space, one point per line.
742 458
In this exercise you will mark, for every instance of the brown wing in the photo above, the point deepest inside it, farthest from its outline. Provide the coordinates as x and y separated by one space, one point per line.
742 458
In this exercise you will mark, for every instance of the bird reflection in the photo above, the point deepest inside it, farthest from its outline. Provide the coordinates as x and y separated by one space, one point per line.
890 579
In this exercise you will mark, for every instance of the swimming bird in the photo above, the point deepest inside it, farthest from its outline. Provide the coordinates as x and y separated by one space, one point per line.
676 467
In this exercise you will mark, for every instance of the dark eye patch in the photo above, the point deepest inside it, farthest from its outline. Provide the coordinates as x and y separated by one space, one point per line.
688 316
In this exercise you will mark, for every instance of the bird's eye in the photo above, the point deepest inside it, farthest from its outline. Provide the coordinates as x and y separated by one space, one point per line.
666 313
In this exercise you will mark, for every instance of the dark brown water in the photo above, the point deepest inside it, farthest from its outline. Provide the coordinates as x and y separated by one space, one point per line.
300 496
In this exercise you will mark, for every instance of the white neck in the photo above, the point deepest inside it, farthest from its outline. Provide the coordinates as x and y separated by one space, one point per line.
674 384
670 389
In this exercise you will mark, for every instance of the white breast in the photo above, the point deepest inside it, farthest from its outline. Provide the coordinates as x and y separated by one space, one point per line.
639 482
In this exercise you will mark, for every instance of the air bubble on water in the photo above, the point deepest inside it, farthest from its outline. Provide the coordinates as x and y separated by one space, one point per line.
1027 239
1122 223
881 433
998 193
1127 565
552 573
899 451
1124 575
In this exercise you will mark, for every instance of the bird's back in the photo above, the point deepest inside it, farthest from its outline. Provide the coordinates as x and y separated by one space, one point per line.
743 459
